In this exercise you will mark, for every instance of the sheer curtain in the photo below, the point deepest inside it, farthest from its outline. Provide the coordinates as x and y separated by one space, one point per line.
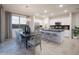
8 25
0 25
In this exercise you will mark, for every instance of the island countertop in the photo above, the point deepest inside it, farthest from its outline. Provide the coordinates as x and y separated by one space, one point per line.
55 36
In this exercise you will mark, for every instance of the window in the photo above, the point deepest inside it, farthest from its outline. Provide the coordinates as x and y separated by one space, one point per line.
15 19
18 19
23 20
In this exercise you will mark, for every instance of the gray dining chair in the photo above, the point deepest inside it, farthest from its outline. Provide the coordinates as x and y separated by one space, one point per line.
35 41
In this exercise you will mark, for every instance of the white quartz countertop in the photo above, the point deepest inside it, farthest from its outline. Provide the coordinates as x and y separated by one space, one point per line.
54 36
50 31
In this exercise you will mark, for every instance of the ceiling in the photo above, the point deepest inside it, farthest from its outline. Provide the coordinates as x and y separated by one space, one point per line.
33 9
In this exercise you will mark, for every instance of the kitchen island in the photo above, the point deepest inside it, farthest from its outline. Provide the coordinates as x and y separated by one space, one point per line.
53 35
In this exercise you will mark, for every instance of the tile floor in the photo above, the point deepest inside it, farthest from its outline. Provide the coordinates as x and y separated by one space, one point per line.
67 47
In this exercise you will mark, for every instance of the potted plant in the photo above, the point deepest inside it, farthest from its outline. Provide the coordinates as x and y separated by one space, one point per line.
76 32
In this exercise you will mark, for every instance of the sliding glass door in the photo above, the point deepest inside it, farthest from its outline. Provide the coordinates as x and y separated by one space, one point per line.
18 21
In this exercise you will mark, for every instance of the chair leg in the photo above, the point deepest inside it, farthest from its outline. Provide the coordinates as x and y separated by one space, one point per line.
40 47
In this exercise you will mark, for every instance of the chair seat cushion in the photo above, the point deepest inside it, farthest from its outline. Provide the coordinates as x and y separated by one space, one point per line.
34 43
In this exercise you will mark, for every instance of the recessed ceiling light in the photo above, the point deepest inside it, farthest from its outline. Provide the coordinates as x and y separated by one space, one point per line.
65 11
60 5
45 11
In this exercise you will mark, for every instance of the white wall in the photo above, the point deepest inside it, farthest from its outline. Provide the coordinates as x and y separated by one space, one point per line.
39 21
42 21
75 19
